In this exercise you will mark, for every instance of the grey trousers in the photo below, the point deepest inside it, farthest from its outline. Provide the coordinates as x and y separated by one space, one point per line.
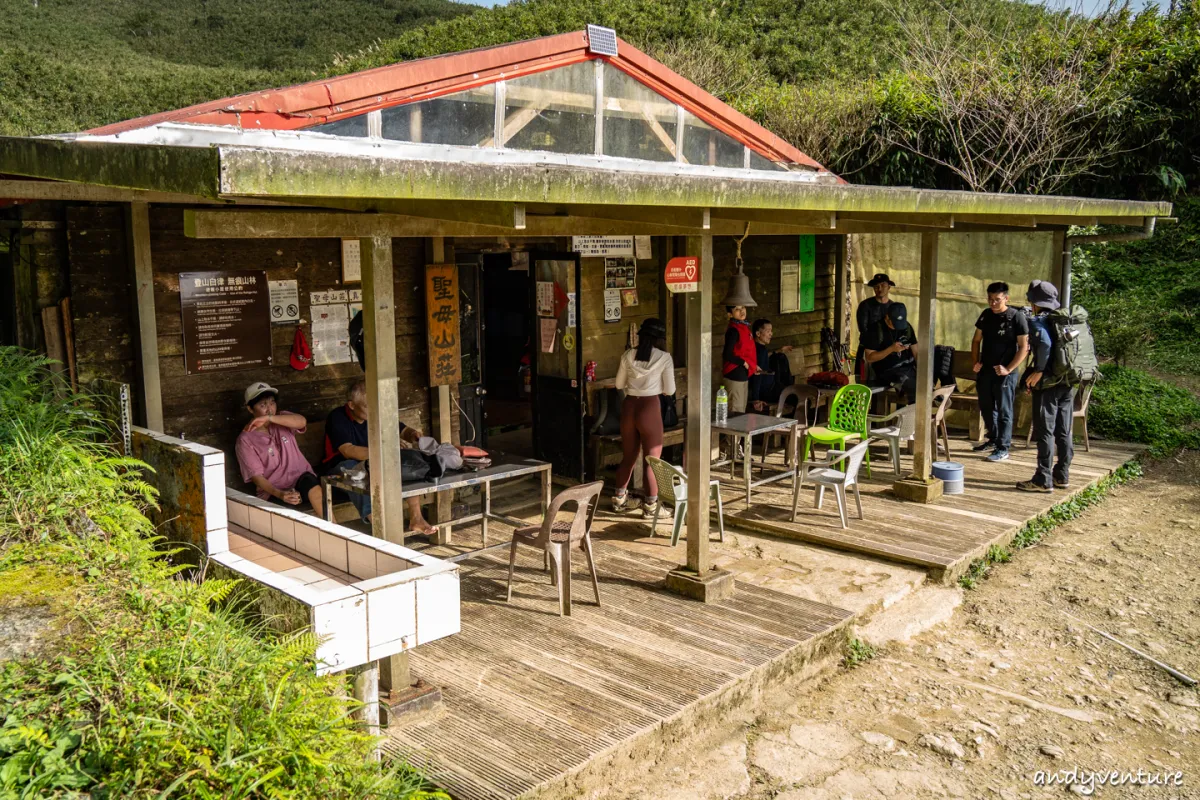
1052 418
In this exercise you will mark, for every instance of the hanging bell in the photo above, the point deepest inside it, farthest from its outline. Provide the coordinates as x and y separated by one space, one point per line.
739 291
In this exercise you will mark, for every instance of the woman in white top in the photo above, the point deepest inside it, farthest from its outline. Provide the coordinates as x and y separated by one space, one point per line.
644 375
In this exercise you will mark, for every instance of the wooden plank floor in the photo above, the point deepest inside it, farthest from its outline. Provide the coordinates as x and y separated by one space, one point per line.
944 537
530 697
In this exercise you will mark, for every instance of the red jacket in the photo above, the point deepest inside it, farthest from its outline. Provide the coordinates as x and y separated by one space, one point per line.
743 349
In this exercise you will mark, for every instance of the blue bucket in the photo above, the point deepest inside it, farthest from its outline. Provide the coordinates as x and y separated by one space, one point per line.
951 474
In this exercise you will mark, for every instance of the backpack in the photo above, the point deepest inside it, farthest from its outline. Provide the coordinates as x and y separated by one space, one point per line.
356 340
1072 348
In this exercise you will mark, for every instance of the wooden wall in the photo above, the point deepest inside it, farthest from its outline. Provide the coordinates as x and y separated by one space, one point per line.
208 408
604 342
101 295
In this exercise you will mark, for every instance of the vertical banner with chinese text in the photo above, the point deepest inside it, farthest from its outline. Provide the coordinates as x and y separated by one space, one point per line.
808 273
441 308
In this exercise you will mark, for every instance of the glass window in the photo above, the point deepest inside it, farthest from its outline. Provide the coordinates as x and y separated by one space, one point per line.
350 126
463 118
553 110
703 144
638 122
758 162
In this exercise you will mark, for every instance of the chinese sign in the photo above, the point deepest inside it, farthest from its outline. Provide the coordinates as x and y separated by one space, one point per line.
600 246
612 305
441 308
331 334
683 274
285 301
226 320
808 273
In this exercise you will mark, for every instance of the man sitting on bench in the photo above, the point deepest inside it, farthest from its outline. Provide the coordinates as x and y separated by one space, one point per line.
268 455
892 348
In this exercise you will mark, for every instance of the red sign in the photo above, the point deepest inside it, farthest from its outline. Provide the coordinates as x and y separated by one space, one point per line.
683 274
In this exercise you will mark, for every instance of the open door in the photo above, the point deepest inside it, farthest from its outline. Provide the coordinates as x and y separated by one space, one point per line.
558 407
471 391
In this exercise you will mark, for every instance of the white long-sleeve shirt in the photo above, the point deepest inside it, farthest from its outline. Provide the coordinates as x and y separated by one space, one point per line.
639 379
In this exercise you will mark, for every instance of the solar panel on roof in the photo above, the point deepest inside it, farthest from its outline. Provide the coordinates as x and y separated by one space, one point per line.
602 41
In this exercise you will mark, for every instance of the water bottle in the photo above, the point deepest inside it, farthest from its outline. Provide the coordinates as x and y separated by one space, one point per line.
722 406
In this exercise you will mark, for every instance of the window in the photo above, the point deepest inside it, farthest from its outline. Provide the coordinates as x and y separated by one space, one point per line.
463 118
350 126
703 144
758 162
553 111
638 122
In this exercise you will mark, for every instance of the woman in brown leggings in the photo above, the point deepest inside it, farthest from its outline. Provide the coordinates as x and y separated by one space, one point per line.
644 375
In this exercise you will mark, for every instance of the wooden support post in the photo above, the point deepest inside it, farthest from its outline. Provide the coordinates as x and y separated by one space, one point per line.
443 419
698 579
52 331
143 280
69 340
921 486
379 340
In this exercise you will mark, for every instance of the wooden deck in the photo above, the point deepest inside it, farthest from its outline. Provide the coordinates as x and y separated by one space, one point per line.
943 537
534 701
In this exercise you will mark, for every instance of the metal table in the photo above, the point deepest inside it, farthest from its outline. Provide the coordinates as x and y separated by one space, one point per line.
504 467
744 428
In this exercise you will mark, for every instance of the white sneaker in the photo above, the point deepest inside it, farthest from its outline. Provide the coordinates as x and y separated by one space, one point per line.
650 509
620 502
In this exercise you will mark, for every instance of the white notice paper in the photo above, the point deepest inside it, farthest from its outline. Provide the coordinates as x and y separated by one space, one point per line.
612 305
571 310
545 298
331 334
593 246
285 301
789 287
641 247
351 261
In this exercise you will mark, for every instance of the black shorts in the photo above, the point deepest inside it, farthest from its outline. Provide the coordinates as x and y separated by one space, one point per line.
303 484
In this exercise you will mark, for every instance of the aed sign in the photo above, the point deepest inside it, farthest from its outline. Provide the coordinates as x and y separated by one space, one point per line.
683 274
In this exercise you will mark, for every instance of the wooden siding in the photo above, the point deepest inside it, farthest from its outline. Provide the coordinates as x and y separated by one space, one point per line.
101 294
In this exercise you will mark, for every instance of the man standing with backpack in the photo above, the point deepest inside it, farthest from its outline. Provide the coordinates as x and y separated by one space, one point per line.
1063 356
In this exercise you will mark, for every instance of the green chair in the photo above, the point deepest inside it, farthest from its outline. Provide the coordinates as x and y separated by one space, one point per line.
847 421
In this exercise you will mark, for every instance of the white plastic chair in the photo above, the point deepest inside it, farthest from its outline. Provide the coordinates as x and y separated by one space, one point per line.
672 488
827 474
903 428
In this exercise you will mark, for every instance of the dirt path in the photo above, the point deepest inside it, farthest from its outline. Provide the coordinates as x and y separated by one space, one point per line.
1009 686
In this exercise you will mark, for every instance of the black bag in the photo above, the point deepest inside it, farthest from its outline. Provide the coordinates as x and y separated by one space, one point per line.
356 340
943 364
778 364
670 415
414 465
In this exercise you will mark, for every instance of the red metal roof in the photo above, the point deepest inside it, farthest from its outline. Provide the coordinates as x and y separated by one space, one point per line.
308 104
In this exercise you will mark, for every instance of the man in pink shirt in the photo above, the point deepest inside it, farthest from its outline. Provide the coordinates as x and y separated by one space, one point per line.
268 454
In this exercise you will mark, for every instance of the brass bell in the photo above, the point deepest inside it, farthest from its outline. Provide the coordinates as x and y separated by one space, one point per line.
739 291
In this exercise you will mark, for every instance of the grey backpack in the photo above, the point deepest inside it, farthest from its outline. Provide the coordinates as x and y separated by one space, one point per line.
1072 348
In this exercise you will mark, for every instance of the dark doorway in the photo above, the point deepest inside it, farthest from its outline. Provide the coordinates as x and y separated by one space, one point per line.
507 352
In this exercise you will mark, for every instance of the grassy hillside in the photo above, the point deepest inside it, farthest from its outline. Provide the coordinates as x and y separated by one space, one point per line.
69 65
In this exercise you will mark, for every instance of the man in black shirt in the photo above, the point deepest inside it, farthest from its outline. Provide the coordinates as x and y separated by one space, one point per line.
891 348
870 312
1000 345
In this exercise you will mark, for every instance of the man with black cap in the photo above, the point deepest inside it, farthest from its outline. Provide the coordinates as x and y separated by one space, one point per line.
1053 406
869 314
892 349
267 452
1000 344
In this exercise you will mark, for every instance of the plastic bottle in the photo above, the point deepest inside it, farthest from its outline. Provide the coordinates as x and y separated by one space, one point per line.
722 406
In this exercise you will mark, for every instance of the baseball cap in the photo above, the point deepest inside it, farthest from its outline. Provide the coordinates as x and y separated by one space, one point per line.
1043 294
897 313
880 277
256 390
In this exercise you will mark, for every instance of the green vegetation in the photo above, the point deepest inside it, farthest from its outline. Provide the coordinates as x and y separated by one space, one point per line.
68 65
146 684
1133 406
1033 531
857 653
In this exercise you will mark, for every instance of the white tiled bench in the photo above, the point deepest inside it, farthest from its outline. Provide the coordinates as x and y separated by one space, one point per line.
364 597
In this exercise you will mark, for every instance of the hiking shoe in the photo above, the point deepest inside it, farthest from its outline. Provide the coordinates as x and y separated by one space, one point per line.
998 455
1061 484
1030 486
979 448
620 502
650 509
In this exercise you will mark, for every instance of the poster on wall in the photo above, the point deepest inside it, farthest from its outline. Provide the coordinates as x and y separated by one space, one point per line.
808 273
351 261
612 305
331 334
545 298
226 320
620 273
601 246
629 297
641 247
548 332
285 301
442 323
789 286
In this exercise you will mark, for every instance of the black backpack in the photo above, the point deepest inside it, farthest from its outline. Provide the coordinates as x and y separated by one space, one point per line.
356 340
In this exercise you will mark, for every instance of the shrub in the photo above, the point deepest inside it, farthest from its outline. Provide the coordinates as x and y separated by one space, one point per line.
1131 405
151 685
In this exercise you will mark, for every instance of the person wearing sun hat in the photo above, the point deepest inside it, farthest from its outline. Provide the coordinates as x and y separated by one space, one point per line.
268 454
869 315
1053 406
